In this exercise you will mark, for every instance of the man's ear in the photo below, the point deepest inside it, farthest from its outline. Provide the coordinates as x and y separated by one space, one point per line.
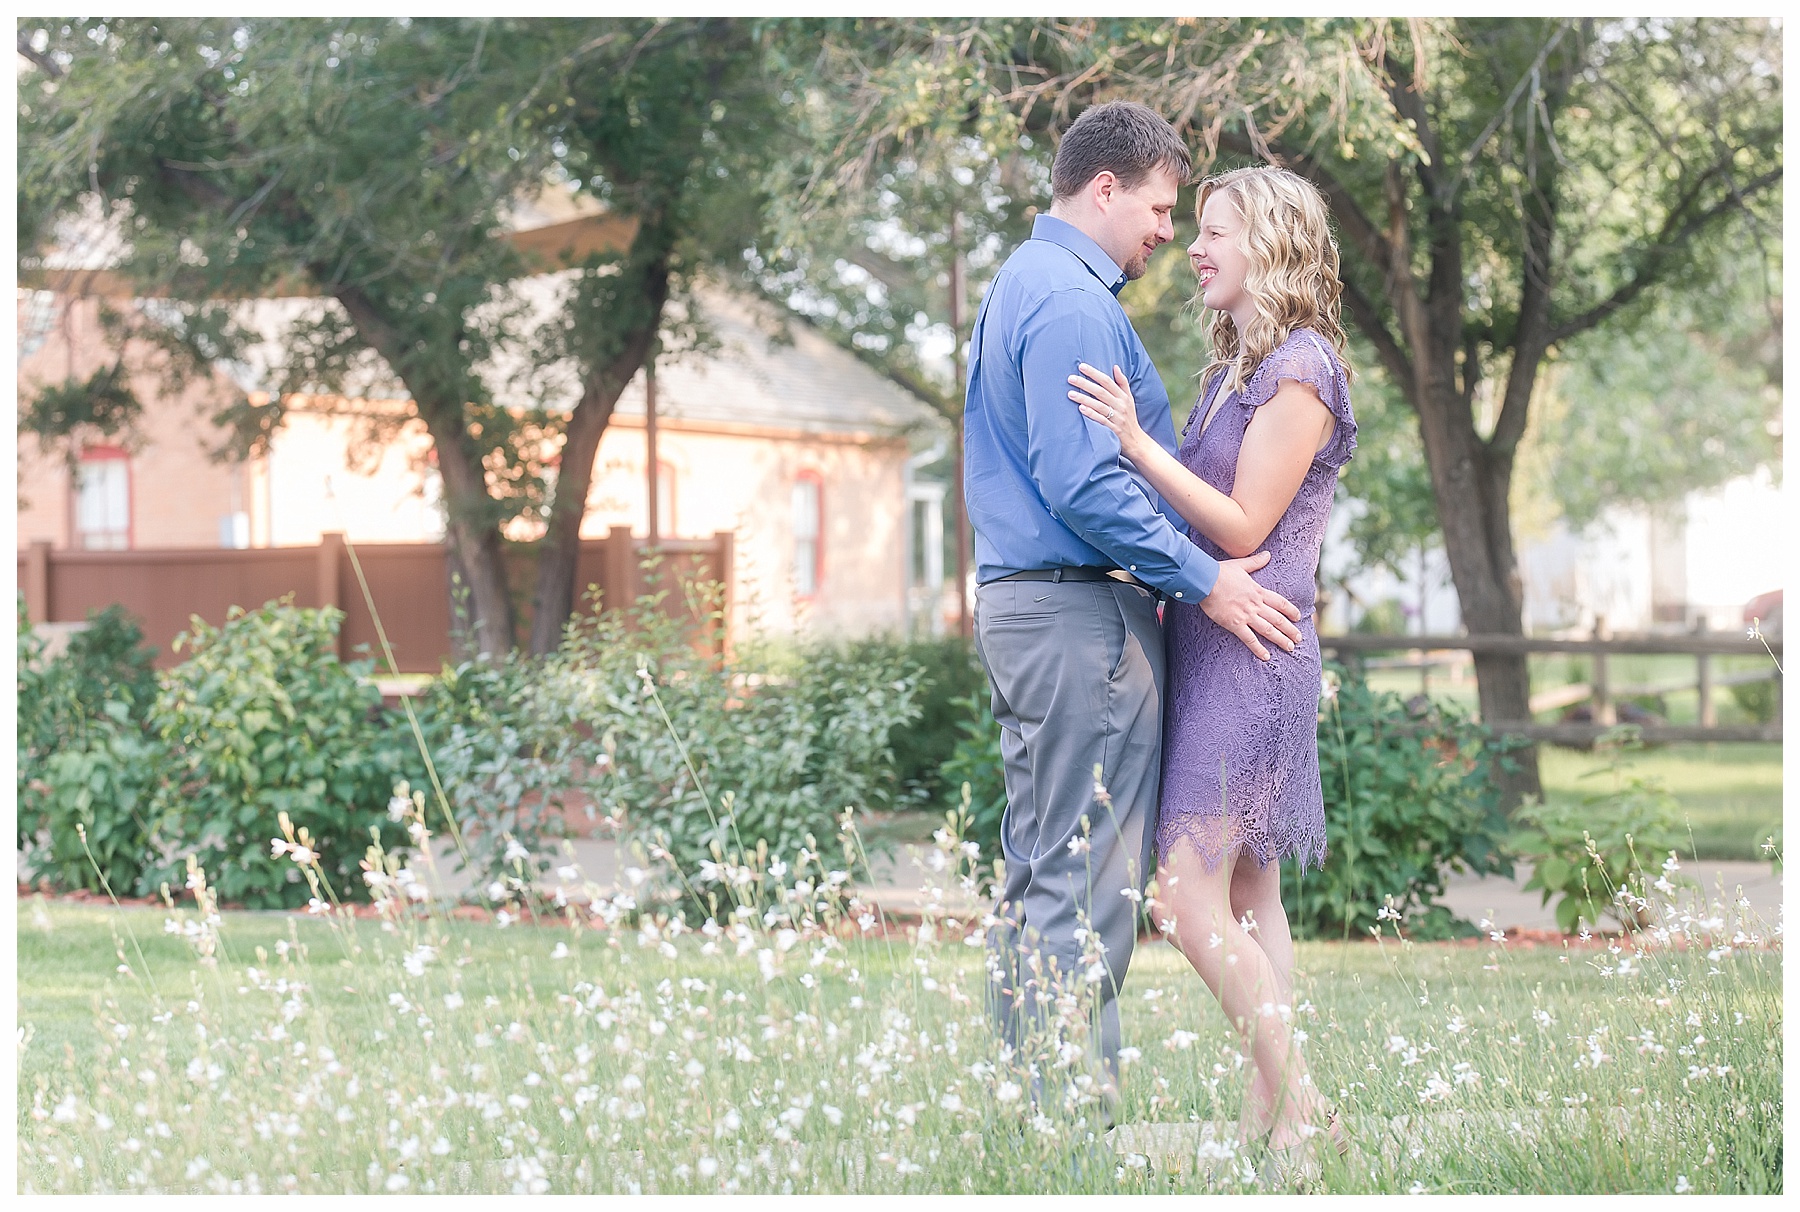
1103 188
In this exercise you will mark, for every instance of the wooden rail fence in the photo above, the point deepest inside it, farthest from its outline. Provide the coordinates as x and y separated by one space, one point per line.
1598 691
410 582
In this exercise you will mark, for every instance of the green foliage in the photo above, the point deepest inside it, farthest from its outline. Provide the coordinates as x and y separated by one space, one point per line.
1758 700
717 760
976 763
262 718
1584 851
85 756
1393 512
92 799
950 675
1386 617
504 746
1410 797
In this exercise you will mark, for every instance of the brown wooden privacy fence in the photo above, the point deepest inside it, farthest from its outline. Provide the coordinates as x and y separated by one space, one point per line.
1598 692
410 582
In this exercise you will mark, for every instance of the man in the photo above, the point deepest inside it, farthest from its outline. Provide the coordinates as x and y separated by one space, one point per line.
1072 548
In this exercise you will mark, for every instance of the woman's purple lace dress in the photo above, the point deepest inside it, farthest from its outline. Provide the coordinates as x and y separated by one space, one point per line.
1240 736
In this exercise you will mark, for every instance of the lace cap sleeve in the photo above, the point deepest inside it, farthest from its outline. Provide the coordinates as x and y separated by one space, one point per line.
1309 358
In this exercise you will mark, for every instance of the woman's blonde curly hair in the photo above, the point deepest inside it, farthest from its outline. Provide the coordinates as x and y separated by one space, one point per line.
1292 278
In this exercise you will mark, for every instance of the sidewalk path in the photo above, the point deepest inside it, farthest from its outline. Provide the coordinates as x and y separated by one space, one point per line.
899 886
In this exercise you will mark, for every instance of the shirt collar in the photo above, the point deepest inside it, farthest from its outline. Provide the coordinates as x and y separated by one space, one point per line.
1060 231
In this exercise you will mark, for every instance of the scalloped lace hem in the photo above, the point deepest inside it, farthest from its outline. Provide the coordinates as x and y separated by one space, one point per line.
1212 839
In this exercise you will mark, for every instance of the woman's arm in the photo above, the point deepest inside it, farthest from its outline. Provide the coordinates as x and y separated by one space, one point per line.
1279 445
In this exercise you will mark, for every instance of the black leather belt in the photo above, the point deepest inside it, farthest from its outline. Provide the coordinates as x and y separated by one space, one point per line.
1076 572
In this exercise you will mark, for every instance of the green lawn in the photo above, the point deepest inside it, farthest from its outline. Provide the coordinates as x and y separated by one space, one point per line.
525 1059
1730 795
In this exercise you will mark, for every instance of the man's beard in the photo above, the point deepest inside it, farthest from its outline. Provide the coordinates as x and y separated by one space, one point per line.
1137 267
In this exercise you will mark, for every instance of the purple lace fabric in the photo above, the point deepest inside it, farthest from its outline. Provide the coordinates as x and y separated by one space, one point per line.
1240 736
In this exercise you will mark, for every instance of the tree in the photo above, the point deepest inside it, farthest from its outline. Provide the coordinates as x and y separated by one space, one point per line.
675 131
358 161
373 163
1501 188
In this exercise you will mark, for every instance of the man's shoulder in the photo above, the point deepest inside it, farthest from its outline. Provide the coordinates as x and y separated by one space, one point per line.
1047 280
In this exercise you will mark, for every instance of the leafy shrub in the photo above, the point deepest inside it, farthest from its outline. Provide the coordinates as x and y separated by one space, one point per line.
1386 617
262 718
950 674
714 759
976 763
1758 700
508 752
101 784
1584 850
85 756
1409 798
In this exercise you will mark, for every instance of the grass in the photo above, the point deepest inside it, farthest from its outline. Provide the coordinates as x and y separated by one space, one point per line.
793 1052
1730 795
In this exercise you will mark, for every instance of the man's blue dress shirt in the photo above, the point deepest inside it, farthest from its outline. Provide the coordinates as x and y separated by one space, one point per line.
1044 485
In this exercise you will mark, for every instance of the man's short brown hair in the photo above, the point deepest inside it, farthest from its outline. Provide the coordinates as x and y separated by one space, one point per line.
1121 137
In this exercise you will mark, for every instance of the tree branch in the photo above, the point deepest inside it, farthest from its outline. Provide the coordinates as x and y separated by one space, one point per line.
43 62
1409 102
1675 233
1368 319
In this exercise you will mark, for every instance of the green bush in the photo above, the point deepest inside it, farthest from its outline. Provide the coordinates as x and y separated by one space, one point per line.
1758 700
1409 798
718 760
1386 617
102 785
260 719
507 750
85 755
976 764
1584 850
951 674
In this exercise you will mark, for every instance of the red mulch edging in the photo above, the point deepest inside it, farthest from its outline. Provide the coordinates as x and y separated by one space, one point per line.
894 924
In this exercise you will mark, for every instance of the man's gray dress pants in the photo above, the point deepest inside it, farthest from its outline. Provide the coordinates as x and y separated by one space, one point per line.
1077 674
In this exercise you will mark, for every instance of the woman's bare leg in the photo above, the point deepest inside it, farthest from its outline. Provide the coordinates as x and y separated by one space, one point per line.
1240 973
1256 899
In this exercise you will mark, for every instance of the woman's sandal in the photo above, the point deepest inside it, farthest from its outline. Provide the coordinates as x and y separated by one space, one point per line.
1334 1128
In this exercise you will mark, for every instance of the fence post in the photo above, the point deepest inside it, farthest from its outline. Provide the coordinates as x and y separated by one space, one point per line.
37 581
329 577
1603 707
618 591
1703 678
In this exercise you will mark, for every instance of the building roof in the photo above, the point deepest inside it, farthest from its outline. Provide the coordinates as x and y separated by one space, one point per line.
756 374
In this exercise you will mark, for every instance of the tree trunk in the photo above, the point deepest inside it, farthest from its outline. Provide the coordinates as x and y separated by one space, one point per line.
554 598
1471 487
475 544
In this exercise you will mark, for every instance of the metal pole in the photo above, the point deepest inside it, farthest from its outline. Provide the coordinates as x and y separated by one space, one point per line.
652 527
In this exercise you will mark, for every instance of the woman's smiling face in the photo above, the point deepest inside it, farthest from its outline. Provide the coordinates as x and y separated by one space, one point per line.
1217 255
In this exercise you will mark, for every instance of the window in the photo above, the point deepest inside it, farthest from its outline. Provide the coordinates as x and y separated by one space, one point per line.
103 500
809 534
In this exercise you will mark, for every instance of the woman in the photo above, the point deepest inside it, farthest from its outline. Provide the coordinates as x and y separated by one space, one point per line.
1257 468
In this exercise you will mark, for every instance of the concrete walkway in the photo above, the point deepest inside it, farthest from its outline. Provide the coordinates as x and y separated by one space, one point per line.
899 886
